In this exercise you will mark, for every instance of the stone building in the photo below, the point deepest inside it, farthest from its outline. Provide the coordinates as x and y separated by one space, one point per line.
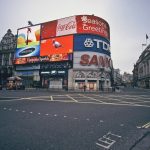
68 53
141 71
7 48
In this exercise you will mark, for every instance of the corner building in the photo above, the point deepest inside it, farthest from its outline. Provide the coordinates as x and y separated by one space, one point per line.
68 53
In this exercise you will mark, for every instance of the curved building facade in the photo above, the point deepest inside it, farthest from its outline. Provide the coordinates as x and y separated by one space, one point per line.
68 53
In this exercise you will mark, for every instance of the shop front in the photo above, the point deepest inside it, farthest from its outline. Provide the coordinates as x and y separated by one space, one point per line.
54 79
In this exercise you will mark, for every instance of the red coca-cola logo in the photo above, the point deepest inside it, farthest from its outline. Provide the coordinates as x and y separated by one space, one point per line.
68 26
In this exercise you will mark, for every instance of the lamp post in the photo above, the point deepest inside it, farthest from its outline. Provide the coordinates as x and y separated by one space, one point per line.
101 79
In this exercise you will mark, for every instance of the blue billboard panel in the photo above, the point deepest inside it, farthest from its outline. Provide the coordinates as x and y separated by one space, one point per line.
28 51
92 43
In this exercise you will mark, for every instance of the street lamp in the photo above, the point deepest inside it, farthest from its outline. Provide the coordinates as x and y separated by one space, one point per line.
101 78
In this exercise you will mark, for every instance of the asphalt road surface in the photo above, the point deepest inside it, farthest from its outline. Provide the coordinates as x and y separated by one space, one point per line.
47 120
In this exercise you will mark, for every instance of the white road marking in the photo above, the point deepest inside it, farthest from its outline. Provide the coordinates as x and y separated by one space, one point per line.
31 112
71 98
110 98
75 118
107 140
103 103
101 121
65 116
17 110
4 108
91 98
140 103
39 113
147 125
11 100
55 115
10 109
23 111
51 98
46 114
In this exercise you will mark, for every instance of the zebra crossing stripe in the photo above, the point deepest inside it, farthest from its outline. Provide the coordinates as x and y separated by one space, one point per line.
147 125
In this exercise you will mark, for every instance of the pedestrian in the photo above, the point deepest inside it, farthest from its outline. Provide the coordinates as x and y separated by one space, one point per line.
84 88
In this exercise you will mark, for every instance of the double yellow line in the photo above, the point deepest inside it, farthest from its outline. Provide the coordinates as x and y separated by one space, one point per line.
147 125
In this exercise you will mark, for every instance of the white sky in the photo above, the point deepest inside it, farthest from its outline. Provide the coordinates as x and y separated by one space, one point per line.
128 19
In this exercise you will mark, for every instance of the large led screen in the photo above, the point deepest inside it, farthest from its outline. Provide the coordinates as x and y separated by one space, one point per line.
58 45
91 60
48 29
28 42
92 24
29 36
43 59
95 43
64 26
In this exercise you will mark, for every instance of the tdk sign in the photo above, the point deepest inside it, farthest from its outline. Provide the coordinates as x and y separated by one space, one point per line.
93 43
99 43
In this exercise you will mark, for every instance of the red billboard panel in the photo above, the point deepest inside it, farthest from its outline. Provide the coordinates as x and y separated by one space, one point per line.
48 29
58 45
92 24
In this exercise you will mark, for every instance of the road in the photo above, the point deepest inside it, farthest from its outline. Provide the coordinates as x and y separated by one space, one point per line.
47 120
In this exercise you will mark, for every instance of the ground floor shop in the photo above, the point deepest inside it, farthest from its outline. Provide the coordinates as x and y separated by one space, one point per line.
67 79
54 79
91 80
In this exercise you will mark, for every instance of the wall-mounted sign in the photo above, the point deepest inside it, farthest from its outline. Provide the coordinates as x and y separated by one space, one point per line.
91 60
56 46
29 36
93 25
92 43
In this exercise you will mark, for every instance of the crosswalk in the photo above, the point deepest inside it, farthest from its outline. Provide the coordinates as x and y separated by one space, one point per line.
105 99
144 126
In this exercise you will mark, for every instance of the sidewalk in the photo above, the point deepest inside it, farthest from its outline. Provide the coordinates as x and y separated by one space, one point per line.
143 143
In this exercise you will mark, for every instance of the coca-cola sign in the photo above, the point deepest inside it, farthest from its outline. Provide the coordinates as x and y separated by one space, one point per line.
66 26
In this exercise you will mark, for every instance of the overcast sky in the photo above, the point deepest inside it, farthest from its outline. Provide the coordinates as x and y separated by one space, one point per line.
129 21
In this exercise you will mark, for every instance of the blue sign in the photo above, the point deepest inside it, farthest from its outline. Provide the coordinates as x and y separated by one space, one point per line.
28 51
92 43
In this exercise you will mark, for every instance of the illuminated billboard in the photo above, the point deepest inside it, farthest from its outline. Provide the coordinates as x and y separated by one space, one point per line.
28 42
29 36
74 25
58 45
91 60
28 51
93 25
56 40
88 42
59 27
43 59
48 29
66 26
